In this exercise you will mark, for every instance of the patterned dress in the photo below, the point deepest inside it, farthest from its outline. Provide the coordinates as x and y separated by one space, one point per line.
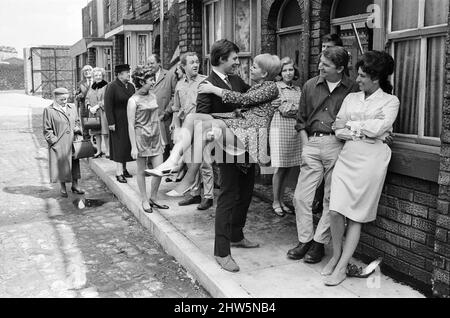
252 126
285 141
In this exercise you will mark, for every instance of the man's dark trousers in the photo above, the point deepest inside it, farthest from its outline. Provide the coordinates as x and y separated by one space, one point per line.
235 196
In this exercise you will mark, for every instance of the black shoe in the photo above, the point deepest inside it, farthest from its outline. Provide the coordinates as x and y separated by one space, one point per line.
126 174
64 194
121 179
205 204
154 204
190 200
299 251
77 191
315 253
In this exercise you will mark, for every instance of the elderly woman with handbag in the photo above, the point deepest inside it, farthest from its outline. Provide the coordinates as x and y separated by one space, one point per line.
60 125
97 116
285 141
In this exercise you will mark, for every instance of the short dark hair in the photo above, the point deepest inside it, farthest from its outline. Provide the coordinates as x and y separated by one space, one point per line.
139 75
333 37
378 65
221 50
339 56
287 61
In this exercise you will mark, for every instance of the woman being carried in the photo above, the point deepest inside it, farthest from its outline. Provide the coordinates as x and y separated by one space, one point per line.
247 126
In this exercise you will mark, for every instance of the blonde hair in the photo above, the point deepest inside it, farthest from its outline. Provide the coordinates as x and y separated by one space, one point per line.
270 64
99 69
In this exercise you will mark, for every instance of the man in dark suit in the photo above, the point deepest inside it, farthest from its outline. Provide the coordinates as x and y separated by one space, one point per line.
236 180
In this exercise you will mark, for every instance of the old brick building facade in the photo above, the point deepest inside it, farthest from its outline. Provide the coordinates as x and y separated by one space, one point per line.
412 231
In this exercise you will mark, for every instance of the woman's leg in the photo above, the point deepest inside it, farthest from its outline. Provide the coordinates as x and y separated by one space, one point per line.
350 244
119 169
98 139
156 181
140 178
63 186
337 226
276 188
106 144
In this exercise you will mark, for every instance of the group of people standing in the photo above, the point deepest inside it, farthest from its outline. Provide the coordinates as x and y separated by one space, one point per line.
336 129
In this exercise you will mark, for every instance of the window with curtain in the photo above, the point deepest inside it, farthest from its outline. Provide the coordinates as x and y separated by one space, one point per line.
142 49
212 29
417 30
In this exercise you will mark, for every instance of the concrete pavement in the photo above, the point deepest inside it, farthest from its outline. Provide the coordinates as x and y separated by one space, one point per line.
188 235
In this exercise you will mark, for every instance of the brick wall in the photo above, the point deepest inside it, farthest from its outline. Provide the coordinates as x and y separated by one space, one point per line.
190 27
441 272
118 50
403 233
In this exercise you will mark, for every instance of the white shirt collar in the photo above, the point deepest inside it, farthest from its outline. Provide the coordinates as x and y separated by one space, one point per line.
221 75
375 94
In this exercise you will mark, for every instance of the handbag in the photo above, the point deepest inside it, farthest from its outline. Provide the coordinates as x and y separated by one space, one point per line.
91 123
83 148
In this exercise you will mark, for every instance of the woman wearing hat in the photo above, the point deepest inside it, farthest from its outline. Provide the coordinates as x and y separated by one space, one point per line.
116 99
60 124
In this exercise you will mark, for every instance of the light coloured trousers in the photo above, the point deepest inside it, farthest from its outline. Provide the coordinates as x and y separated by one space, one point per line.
205 175
319 156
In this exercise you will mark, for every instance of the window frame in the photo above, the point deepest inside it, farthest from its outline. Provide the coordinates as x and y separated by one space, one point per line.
147 47
422 33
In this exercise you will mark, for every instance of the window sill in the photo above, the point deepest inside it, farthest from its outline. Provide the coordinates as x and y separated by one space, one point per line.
415 160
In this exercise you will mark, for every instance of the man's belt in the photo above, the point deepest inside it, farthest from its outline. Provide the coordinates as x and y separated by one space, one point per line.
320 134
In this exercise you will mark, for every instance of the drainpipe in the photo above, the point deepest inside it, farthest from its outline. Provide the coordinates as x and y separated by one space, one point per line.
306 40
161 30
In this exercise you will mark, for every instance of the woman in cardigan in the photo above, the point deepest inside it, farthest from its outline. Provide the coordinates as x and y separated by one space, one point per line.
60 124
364 121
285 141
95 104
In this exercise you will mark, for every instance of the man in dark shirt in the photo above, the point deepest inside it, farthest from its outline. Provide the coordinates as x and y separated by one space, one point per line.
321 99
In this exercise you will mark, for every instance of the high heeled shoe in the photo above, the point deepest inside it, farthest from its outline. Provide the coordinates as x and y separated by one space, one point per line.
77 191
163 171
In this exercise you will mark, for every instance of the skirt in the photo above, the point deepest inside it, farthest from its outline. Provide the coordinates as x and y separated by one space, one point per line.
285 142
358 179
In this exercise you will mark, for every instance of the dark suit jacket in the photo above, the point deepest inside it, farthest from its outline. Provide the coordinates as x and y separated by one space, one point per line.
210 103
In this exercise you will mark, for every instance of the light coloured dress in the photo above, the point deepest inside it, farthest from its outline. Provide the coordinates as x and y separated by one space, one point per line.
285 141
252 129
147 126
361 167
96 96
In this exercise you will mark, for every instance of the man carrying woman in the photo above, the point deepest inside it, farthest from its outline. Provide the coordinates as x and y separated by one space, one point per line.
240 114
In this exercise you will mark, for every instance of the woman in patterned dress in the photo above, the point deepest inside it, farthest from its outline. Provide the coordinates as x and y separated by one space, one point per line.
285 142
364 121
145 135
247 126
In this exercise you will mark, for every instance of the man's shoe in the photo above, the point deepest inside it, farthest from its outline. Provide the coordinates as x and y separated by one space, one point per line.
190 200
205 204
126 174
315 253
299 251
227 263
244 243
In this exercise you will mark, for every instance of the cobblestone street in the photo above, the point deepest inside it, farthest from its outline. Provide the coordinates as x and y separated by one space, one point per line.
49 247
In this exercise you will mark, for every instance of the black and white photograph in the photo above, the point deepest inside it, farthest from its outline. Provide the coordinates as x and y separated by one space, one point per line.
230 155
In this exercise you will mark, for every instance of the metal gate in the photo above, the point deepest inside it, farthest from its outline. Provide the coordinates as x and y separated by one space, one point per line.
50 68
